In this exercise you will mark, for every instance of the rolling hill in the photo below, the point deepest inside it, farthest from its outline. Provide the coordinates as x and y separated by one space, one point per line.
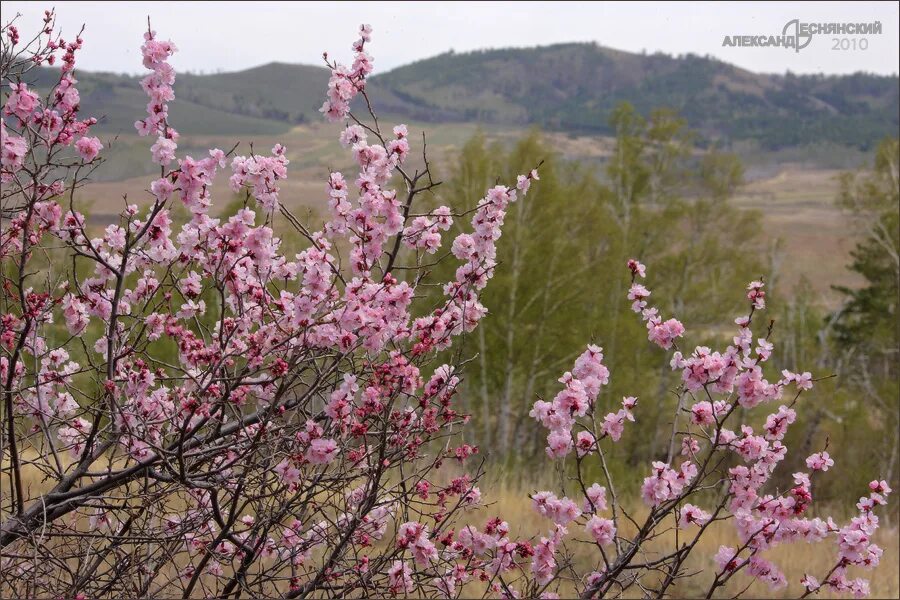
573 87
565 87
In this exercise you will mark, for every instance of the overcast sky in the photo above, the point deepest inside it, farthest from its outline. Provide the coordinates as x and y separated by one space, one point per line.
230 36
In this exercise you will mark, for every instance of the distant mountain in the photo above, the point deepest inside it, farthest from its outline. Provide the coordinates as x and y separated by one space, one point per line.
574 87
565 87
263 100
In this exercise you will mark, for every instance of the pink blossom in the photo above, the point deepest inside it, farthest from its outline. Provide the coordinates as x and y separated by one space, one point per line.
163 151
559 443
638 294
810 583
400 578
820 461
414 537
602 530
692 515
21 102
543 563
260 175
613 425
162 188
88 148
755 294
76 314
637 268
689 446
287 472
584 443
803 380
560 510
322 451
14 149
596 499
663 334
727 559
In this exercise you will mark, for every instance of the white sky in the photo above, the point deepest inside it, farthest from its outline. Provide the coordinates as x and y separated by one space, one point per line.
231 36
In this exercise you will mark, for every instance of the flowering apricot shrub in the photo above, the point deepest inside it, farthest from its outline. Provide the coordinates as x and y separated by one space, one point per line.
190 412
706 459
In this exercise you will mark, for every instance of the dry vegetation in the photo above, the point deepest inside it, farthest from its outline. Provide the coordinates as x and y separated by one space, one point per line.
509 496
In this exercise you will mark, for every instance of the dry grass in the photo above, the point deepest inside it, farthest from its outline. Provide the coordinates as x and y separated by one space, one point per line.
508 497
798 208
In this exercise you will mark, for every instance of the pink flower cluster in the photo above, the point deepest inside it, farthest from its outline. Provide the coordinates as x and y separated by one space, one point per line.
414 537
462 310
260 174
346 83
51 125
582 386
666 483
563 511
424 232
662 333
158 87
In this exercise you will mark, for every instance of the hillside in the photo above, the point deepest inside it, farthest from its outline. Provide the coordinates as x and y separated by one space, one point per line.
264 100
573 87
567 87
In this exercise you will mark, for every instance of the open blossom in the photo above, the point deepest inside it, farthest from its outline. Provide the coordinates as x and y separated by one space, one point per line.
613 425
689 446
21 102
345 83
287 472
666 483
559 510
756 295
820 461
777 424
88 148
582 386
14 148
163 151
803 381
584 443
810 583
702 413
767 572
663 333
559 443
602 530
76 314
400 578
261 175
523 182
691 515
637 268
191 285
162 188
543 563
727 559
352 134
638 294
414 537
322 451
